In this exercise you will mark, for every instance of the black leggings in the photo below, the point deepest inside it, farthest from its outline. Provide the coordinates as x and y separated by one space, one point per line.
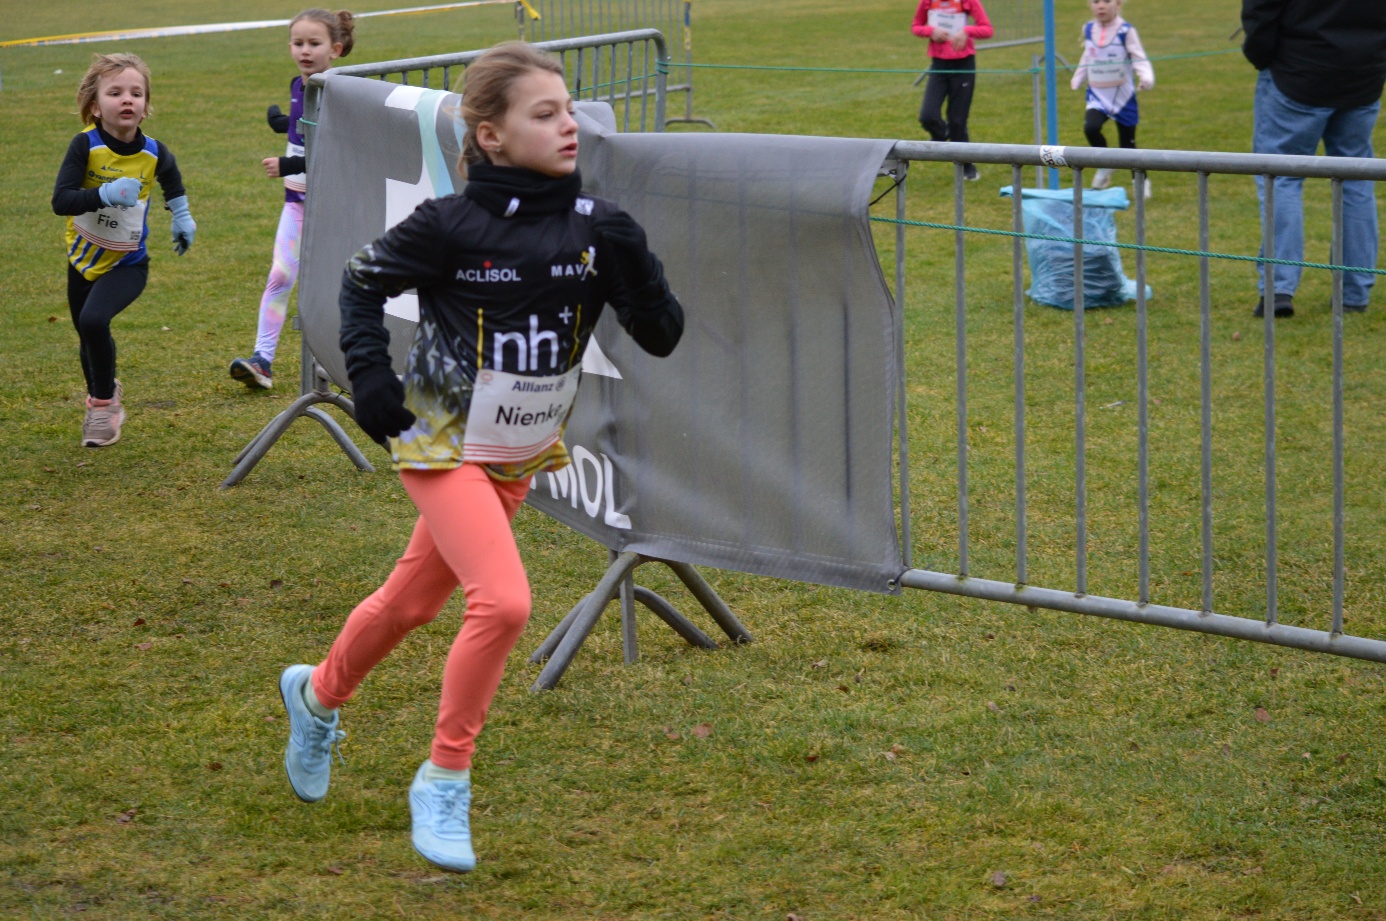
94 304
946 82
1092 127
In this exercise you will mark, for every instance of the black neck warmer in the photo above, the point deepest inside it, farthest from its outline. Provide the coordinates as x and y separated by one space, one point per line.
508 191
122 148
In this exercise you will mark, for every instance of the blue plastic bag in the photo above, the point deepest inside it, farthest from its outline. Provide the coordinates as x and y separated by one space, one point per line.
1050 212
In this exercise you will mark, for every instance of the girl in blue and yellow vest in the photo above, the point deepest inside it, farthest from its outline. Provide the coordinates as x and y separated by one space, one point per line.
103 187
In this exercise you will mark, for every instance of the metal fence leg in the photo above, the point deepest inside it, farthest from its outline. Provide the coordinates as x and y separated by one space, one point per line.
584 618
630 648
555 636
562 644
340 436
711 601
670 615
259 446
314 388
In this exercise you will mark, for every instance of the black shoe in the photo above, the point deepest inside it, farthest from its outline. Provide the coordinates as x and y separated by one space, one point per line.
1284 306
1352 308
970 173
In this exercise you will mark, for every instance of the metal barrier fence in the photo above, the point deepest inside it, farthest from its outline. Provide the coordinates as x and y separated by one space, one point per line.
626 69
1017 589
560 19
1014 22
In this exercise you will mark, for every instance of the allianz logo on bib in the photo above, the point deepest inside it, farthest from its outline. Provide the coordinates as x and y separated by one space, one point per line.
487 272
554 385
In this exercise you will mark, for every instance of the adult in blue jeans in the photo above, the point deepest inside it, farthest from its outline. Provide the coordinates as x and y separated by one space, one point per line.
1322 68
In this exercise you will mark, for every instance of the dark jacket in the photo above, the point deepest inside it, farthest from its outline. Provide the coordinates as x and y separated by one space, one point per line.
512 259
1329 53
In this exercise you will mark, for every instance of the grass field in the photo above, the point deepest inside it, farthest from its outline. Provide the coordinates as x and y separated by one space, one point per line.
868 757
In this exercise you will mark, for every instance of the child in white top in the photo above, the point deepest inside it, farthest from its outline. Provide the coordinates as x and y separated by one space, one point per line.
317 37
1114 65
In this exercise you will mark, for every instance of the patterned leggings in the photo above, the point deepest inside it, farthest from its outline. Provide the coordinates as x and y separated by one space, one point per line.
274 304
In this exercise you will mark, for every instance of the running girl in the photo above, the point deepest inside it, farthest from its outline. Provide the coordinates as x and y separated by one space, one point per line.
488 384
1114 64
316 38
953 67
103 187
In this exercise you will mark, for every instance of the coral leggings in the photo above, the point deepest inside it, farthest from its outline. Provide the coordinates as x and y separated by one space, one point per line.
462 537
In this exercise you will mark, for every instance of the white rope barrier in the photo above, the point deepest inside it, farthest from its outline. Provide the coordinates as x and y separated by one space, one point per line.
79 38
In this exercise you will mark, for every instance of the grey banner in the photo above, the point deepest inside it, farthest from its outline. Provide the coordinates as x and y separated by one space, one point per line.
378 150
765 443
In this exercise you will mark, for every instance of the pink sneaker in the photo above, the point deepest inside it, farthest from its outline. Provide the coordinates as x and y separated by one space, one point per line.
101 427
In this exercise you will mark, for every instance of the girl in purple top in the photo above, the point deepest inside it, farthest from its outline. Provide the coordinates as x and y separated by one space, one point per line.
316 38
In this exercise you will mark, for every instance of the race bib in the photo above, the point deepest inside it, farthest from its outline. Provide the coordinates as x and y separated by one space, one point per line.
514 418
298 182
115 227
1109 67
952 23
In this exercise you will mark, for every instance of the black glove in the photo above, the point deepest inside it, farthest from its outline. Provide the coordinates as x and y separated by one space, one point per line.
630 252
379 400
278 121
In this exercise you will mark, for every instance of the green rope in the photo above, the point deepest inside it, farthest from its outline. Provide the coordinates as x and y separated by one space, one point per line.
851 70
643 79
1170 250
1194 54
915 70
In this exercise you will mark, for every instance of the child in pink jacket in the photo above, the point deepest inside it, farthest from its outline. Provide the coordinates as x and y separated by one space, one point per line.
952 68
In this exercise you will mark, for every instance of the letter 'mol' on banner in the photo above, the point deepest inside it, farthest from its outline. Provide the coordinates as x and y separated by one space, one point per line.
765 443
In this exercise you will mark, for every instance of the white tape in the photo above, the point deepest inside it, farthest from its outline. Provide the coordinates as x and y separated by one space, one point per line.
594 361
404 97
81 38
1052 156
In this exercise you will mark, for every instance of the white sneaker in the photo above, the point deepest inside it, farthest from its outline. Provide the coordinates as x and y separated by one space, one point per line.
1147 188
308 756
1102 179
441 816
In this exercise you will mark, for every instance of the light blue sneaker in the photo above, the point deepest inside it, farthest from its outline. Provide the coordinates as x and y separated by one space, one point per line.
442 821
308 758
